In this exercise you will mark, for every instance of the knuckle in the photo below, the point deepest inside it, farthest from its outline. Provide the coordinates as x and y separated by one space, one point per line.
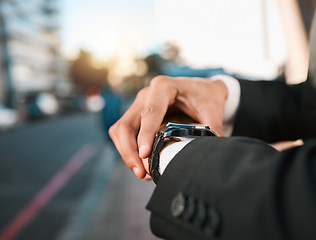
124 127
113 130
141 93
116 127
160 80
149 110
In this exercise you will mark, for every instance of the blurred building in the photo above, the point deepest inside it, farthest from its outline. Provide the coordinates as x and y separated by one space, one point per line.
29 48
258 38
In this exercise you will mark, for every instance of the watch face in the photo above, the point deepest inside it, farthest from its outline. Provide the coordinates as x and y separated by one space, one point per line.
188 125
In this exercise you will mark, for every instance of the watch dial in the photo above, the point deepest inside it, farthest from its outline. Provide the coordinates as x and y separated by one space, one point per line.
188 125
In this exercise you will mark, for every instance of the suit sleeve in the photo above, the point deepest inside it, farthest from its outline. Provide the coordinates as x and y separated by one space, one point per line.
273 111
236 188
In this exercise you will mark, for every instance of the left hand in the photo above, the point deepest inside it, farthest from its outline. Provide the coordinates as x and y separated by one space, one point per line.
201 99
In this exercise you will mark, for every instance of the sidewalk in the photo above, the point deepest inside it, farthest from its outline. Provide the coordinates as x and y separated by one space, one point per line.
113 207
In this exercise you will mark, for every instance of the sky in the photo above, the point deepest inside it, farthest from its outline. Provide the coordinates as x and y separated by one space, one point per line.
243 36
105 26
236 35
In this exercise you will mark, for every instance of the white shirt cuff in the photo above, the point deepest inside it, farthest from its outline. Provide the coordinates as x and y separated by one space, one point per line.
169 152
233 96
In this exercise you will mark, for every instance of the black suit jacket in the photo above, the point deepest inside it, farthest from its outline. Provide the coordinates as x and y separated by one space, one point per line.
240 187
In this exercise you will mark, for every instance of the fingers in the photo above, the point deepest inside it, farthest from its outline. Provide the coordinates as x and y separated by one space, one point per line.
159 97
216 107
145 164
143 118
124 132
134 133
150 122
204 101
124 138
214 121
212 111
147 177
281 146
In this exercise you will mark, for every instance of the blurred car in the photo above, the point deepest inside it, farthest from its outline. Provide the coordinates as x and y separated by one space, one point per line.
9 118
41 104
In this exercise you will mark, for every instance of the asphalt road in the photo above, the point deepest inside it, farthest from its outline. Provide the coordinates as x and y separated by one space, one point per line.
59 180
45 168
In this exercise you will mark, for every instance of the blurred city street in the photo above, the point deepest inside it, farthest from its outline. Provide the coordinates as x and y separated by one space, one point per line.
70 69
60 181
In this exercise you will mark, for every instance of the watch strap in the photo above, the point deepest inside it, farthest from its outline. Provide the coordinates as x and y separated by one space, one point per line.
153 159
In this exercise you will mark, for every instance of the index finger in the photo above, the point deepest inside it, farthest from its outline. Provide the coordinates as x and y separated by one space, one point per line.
124 132
162 94
125 142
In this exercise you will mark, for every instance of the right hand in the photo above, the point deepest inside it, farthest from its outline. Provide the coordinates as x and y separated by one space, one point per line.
202 100
281 146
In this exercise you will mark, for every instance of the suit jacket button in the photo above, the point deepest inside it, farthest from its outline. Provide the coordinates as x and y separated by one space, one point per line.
190 209
200 213
211 227
178 205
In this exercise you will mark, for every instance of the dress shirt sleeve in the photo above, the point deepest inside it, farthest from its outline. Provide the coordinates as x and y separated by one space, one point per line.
233 96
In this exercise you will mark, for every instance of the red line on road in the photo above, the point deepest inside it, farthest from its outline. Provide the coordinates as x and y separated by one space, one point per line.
46 194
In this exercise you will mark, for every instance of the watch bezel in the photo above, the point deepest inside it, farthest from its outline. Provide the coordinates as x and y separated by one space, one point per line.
188 125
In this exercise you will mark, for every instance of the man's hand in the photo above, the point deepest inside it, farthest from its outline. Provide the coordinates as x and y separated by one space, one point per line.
281 146
202 100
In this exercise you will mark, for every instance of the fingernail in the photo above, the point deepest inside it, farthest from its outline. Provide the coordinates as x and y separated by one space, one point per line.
299 142
142 151
136 171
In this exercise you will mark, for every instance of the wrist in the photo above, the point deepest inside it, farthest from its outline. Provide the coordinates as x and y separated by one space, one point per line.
222 88
170 131
169 142
171 149
233 93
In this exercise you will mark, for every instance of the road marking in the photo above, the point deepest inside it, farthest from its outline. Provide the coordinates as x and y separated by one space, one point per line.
81 224
47 193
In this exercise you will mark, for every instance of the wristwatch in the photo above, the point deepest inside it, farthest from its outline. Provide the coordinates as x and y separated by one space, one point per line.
170 131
